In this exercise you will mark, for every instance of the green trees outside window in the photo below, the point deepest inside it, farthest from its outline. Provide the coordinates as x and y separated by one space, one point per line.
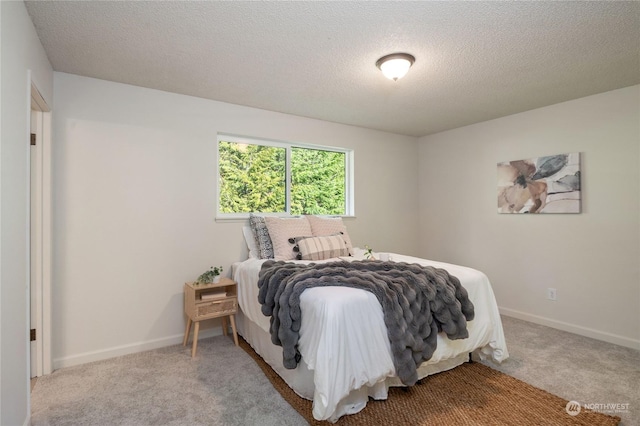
317 182
253 178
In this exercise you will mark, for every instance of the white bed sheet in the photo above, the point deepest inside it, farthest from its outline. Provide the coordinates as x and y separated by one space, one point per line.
344 343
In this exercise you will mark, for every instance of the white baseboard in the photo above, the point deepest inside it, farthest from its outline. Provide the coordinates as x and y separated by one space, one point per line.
86 357
572 328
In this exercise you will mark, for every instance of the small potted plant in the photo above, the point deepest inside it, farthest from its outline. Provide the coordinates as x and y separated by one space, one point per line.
368 253
211 276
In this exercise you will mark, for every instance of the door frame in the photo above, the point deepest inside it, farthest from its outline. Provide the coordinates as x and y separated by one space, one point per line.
40 284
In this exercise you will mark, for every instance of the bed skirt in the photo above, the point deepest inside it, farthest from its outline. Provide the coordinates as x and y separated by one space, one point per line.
301 379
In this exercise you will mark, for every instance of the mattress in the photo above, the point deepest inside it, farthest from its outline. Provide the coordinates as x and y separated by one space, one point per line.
345 350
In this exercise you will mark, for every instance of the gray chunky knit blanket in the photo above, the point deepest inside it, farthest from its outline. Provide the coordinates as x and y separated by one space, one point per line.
417 302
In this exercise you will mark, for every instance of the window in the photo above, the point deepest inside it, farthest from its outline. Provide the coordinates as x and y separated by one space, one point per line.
277 177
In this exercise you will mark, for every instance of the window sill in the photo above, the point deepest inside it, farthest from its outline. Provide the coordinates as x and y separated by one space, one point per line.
241 217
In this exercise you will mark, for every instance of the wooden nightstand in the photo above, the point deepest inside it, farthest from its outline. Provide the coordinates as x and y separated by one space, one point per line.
199 308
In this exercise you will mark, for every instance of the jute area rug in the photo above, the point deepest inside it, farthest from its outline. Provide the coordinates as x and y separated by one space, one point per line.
471 394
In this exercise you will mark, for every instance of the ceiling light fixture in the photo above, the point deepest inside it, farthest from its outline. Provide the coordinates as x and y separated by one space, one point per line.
396 65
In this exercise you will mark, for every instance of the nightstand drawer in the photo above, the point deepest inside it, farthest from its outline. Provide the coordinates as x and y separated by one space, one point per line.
226 306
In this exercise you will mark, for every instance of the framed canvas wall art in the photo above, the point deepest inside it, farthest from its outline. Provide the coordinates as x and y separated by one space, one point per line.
540 185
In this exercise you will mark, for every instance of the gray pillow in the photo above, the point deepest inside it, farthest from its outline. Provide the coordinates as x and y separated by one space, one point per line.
261 235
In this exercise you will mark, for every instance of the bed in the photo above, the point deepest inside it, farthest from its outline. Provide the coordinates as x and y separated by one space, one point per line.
346 355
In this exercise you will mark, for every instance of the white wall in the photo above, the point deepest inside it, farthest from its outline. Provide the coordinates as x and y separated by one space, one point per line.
21 51
592 259
134 201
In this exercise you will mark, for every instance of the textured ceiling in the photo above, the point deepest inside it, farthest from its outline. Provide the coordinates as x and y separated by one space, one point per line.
474 60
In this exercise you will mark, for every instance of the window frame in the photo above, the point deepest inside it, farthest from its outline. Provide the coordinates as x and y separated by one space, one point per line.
349 174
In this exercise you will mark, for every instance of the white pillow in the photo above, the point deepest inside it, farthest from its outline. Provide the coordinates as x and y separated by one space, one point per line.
251 242
323 226
281 229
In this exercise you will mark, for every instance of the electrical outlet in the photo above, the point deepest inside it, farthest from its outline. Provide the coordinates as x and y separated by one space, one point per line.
551 294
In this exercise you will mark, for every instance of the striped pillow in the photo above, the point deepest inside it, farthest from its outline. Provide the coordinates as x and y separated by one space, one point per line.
320 248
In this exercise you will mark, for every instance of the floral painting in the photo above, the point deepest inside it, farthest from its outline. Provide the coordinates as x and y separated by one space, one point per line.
540 185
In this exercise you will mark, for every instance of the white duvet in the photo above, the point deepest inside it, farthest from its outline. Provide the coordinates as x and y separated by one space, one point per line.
343 338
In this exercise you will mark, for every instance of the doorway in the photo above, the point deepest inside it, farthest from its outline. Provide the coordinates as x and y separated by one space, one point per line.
40 235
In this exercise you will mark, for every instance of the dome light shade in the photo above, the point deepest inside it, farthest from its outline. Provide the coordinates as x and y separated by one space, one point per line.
396 65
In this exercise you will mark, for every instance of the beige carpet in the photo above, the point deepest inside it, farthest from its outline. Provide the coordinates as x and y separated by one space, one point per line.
221 386
471 394
224 386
